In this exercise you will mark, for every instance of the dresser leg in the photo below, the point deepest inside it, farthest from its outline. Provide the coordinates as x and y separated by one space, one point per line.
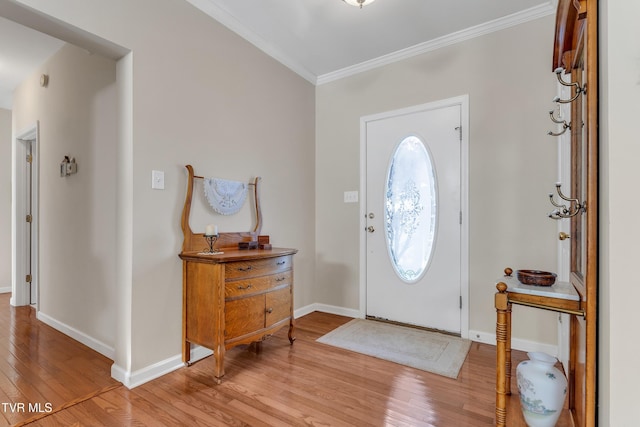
218 355
256 347
291 331
186 353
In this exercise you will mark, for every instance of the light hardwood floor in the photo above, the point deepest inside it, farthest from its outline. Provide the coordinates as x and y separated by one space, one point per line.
304 384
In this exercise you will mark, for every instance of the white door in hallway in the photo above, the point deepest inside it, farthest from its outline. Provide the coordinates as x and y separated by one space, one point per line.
24 286
413 217
28 240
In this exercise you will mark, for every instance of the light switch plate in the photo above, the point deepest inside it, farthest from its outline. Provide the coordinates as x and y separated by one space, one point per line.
351 197
157 180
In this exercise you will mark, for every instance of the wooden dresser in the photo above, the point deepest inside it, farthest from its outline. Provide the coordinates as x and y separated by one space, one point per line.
238 297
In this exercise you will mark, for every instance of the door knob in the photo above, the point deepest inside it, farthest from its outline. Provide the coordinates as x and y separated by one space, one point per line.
370 229
563 236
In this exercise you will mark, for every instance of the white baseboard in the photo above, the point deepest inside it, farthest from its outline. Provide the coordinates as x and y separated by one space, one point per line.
331 309
134 379
516 344
5 290
77 335
118 373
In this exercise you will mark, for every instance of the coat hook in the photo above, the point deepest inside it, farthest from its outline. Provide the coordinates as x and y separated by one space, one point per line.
564 124
579 89
575 206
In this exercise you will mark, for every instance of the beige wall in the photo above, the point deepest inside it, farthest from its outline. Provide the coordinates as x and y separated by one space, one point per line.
512 164
204 96
619 371
5 198
77 117
509 161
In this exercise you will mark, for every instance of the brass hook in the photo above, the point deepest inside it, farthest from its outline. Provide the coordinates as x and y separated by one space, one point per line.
575 206
579 89
564 124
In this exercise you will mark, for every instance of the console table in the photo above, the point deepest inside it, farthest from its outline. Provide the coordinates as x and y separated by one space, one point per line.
560 297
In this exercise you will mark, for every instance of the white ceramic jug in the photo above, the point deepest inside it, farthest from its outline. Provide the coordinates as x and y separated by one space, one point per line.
542 389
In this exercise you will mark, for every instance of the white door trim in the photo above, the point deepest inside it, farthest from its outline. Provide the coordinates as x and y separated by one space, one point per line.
20 292
463 102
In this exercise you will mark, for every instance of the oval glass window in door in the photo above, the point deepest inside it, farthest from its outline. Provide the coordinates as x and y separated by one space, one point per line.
411 203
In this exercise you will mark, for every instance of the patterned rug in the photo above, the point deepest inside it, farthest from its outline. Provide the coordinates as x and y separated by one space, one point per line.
429 351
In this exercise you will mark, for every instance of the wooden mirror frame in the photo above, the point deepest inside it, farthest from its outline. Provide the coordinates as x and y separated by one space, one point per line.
195 242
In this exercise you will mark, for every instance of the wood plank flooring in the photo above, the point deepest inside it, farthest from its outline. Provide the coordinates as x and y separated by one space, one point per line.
304 384
42 369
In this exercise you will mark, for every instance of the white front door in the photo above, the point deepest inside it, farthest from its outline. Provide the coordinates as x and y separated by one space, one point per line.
413 217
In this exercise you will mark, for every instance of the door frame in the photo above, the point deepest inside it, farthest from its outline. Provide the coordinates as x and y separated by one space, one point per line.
463 102
20 293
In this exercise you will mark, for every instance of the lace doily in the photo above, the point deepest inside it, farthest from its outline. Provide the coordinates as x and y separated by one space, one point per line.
225 197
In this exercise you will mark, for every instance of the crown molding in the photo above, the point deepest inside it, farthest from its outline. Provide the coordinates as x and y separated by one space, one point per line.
450 39
233 24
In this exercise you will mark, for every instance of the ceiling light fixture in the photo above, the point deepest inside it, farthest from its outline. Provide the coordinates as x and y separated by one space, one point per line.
359 3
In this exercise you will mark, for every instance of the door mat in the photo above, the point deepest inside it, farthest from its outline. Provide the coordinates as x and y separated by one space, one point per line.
429 351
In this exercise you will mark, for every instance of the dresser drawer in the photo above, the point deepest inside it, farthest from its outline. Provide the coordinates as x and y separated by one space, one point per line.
247 287
259 267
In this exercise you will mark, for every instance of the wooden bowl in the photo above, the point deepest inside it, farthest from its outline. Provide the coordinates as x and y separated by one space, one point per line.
536 277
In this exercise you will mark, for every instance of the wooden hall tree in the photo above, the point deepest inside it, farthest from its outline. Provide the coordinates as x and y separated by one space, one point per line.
575 61
576 52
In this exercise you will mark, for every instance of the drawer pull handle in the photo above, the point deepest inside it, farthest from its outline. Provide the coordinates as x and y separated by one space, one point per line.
281 262
243 288
269 310
245 268
280 279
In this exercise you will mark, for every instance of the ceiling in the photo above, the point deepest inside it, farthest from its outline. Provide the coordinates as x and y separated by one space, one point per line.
327 39
321 40
22 51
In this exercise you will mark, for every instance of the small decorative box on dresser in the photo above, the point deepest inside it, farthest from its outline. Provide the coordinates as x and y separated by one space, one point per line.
238 297
232 293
